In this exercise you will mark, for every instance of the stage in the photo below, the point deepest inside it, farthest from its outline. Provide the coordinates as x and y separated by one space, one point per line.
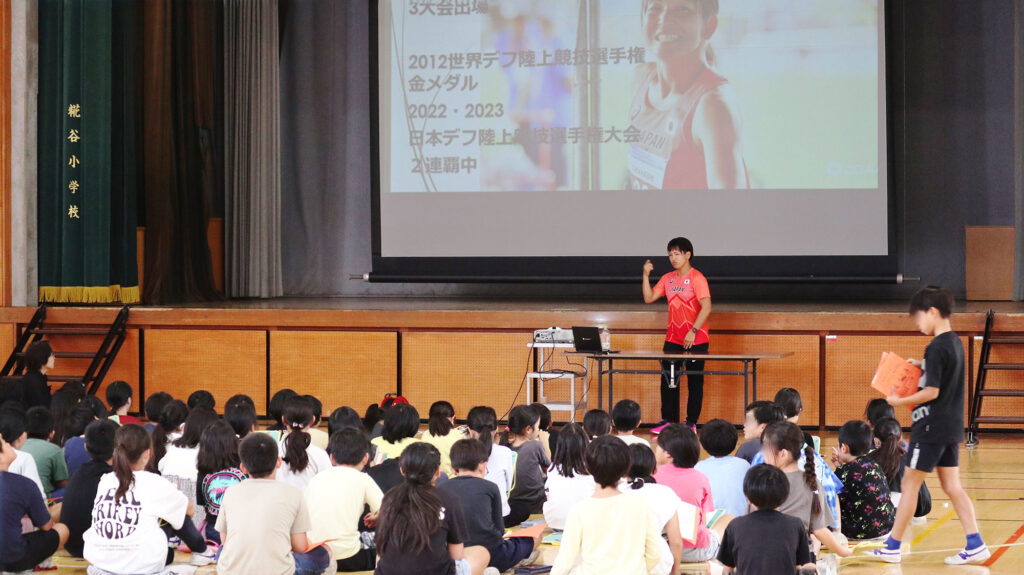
351 351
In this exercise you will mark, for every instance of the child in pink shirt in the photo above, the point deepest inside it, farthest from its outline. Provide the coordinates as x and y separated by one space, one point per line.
677 452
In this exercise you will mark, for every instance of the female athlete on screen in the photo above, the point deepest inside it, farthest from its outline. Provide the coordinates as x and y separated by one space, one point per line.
688 121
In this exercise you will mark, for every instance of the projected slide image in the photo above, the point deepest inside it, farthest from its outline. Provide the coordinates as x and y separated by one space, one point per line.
631 96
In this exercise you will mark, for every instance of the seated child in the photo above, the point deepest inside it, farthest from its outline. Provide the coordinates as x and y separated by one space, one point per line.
677 452
74 451
890 457
12 430
80 493
792 406
240 413
765 541
301 460
791 403
401 424
548 437
337 497
724 471
663 503
597 422
527 495
877 410
783 443
154 406
501 461
611 532
442 433
20 497
318 437
421 528
864 502
269 538
568 481
119 398
53 470
202 398
481 507
756 417
131 503
626 418
218 468
179 463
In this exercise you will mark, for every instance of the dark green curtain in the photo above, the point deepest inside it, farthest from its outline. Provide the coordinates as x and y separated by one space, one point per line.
86 163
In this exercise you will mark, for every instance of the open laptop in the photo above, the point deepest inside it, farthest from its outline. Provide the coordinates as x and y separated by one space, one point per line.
588 340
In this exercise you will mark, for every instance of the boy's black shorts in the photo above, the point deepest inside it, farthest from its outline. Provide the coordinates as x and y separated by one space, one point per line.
927 456
39 546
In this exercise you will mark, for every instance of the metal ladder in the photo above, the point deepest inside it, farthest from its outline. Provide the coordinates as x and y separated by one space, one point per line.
975 418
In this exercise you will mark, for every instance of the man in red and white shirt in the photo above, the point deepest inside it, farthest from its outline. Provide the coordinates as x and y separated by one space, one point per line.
689 305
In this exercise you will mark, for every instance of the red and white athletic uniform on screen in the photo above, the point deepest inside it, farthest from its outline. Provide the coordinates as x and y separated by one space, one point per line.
683 295
667 156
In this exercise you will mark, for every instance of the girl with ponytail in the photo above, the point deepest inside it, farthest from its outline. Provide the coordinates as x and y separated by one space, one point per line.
418 527
783 443
168 428
568 480
527 495
501 461
126 534
300 459
889 456
662 501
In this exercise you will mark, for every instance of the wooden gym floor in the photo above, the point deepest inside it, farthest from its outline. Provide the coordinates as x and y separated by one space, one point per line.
993 474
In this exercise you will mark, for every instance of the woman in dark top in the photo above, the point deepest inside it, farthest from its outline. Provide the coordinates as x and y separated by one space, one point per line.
421 528
38 360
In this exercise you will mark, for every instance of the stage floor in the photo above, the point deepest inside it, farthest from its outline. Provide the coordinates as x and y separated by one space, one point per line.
993 475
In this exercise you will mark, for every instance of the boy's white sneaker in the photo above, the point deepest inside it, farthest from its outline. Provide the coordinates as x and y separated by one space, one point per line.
919 520
969 556
887 555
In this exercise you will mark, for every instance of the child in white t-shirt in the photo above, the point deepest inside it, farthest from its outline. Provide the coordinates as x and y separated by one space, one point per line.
626 417
501 461
301 460
568 481
126 534
664 505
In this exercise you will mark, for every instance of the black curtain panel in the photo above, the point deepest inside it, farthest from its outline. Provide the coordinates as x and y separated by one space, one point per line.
178 169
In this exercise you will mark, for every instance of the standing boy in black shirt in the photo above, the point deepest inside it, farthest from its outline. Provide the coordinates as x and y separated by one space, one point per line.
938 427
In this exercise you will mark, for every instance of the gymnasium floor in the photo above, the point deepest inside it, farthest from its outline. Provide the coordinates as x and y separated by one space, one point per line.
993 474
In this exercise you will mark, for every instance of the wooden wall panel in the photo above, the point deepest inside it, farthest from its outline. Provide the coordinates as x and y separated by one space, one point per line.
1004 406
125 367
850 362
467 369
8 337
223 362
723 394
340 368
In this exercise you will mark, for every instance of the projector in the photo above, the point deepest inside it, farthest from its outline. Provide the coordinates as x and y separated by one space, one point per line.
553 335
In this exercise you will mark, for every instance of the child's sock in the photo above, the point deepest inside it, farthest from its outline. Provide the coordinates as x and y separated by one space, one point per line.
974 541
892 544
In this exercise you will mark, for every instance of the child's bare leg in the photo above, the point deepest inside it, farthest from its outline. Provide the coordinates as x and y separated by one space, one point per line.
949 477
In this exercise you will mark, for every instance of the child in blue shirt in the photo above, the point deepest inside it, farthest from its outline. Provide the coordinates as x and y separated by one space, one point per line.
724 471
